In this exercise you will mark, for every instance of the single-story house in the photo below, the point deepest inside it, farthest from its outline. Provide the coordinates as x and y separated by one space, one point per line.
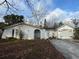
26 31
30 31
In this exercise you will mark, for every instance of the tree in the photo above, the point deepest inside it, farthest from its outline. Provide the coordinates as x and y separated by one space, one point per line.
60 24
38 14
9 6
1 32
2 25
55 26
13 19
45 24
76 33
75 22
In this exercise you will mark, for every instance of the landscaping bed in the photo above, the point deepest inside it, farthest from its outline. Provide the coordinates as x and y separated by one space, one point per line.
29 49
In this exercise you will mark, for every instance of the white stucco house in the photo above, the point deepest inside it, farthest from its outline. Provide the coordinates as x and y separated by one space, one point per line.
30 31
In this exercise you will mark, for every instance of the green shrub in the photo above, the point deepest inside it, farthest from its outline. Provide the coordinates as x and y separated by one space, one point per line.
11 38
8 39
76 33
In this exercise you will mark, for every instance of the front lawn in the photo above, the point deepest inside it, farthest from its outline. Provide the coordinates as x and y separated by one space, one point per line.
29 49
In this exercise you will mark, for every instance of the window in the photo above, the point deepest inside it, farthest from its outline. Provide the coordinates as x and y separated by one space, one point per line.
13 33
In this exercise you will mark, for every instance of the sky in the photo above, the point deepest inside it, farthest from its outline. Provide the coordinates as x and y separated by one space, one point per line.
54 9
63 9
68 5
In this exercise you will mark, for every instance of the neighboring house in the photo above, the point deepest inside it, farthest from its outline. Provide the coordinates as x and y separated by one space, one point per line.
65 32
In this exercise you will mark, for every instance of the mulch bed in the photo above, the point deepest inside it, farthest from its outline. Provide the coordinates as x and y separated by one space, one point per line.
29 49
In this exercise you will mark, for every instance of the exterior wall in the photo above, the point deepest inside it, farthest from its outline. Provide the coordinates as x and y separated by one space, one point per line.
28 32
7 33
65 32
44 34
51 33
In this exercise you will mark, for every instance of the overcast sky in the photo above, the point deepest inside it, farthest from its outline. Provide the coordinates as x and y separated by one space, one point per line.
59 9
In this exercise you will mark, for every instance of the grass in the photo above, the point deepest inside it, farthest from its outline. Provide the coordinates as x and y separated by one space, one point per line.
29 49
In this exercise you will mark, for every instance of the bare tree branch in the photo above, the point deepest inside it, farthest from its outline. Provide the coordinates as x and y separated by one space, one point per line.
35 13
29 4
10 7
2 2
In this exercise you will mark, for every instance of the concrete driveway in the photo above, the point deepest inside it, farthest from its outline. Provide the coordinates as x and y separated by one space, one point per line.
68 48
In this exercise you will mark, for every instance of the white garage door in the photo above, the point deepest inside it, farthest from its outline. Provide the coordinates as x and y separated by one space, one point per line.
65 34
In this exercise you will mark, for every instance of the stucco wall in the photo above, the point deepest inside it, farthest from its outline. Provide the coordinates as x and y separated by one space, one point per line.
28 32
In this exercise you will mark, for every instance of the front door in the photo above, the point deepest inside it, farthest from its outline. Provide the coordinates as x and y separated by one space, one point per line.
37 34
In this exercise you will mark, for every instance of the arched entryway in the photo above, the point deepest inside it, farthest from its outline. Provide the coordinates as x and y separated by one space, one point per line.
37 34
